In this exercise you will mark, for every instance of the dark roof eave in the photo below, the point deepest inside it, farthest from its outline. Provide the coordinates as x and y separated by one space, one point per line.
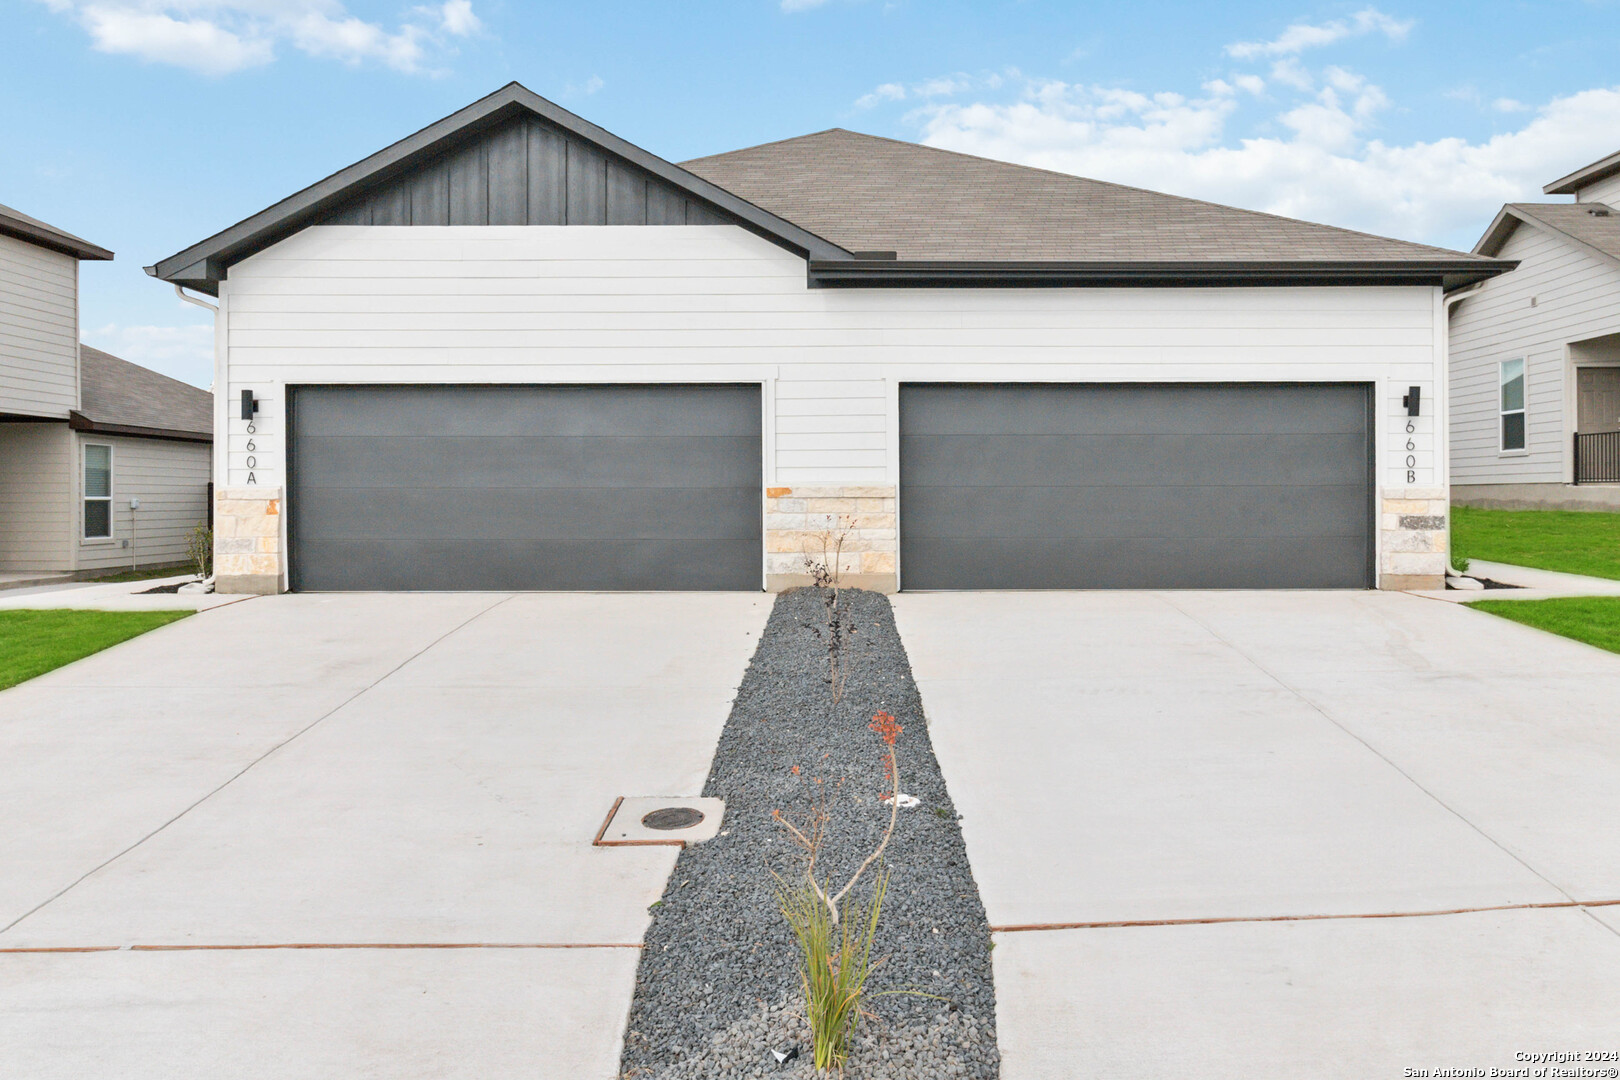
203 265
1601 169
80 422
1451 274
54 239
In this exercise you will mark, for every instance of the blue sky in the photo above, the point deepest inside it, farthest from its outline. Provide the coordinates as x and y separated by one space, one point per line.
146 125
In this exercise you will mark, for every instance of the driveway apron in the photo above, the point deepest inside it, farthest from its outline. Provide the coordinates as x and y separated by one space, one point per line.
1190 814
350 834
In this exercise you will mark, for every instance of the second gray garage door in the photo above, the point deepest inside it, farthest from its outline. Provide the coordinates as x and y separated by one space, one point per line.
525 487
1039 486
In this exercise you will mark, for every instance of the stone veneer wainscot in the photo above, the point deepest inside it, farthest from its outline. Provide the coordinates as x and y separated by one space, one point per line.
798 518
247 540
1414 539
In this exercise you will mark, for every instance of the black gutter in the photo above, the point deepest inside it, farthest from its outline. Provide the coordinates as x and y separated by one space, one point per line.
933 274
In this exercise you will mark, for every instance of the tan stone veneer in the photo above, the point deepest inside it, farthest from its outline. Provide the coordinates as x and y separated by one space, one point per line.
1414 539
796 519
247 540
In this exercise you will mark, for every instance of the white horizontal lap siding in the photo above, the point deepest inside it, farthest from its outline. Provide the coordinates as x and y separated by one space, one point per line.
170 478
37 508
1577 296
1604 191
717 304
39 330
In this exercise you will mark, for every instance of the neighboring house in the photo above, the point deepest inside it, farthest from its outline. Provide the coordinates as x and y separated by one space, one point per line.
1535 355
514 351
84 434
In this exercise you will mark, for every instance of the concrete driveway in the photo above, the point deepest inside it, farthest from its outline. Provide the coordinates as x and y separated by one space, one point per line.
350 835
1216 829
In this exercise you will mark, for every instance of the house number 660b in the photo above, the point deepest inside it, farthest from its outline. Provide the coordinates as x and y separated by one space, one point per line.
1411 473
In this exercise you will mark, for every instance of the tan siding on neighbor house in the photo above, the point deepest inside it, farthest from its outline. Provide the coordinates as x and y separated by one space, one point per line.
1577 296
39 330
170 479
1604 191
37 493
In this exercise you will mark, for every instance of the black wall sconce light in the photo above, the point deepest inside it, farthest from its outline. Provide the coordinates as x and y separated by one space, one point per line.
1414 394
250 405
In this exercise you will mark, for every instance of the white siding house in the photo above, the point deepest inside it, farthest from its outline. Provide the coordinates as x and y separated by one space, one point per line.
1535 356
414 372
84 434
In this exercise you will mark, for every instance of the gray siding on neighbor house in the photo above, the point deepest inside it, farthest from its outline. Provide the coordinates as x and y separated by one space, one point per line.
1577 296
526 172
37 492
169 477
39 330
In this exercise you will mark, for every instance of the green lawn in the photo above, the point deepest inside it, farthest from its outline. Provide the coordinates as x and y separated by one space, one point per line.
1574 541
34 642
1592 619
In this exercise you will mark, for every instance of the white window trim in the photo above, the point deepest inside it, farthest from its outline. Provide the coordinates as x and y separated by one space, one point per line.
112 472
1523 410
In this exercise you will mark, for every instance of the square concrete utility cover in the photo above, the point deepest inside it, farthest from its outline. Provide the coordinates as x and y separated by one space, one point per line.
652 819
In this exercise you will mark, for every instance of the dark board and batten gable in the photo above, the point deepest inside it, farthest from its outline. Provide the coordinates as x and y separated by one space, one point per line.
526 172
512 158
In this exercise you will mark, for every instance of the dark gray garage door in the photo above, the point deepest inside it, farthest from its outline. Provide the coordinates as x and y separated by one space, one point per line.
525 487
1132 486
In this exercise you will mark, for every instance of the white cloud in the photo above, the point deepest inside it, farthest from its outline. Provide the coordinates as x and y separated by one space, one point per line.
584 89
1254 84
1315 158
216 37
801 5
1290 72
456 17
181 352
1301 36
940 86
1509 105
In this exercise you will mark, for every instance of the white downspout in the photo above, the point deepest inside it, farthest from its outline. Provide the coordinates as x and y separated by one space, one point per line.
181 293
1445 376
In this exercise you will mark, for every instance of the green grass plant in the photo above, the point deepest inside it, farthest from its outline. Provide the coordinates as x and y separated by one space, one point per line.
33 642
1592 619
836 959
1571 541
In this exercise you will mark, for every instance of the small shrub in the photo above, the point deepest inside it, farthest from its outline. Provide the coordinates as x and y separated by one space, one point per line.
834 929
825 572
200 550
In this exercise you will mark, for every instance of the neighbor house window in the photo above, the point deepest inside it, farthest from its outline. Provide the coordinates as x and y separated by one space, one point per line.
1512 397
97 492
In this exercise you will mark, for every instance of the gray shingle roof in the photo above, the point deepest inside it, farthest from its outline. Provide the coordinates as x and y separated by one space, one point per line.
121 394
18 224
868 193
1594 224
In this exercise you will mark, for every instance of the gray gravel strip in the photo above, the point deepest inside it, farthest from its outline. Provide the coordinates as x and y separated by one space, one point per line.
718 988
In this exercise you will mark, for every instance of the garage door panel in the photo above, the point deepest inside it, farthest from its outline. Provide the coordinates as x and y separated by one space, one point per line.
526 487
502 411
1115 410
1229 511
1137 460
380 513
1135 486
510 565
1136 563
538 461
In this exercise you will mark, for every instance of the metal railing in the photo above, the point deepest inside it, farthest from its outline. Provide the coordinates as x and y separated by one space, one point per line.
1597 457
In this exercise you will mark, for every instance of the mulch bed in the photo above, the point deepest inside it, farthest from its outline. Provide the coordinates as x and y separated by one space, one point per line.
718 984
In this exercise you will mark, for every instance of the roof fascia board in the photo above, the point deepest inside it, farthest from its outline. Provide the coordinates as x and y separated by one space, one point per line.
215 254
53 239
80 422
1588 174
1451 274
